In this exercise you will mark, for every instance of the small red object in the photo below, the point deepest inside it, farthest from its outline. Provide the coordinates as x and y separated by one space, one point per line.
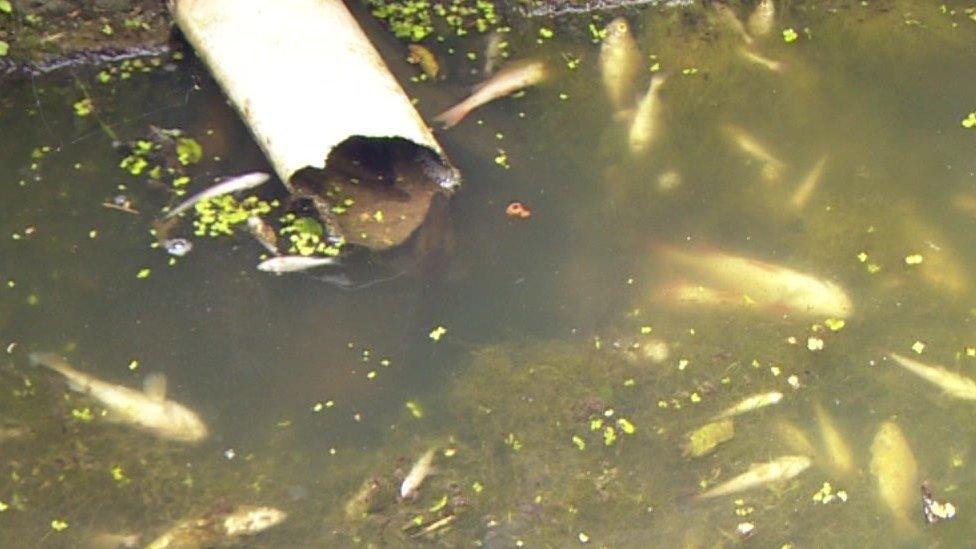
519 210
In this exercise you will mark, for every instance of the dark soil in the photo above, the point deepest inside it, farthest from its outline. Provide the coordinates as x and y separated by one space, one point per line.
51 33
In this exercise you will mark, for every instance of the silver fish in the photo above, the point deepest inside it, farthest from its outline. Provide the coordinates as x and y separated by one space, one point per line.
294 263
177 246
646 124
763 17
148 409
810 182
417 474
839 457
728 18
759 59
620 64
494 51
761 474
232 185
751 403
953 384
895 470
506 81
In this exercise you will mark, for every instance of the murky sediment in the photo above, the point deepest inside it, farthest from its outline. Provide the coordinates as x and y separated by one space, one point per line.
734 301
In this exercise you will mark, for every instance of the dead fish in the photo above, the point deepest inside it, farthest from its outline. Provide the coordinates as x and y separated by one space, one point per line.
760 474
425 59
506 81
494 52
769 286
759 59
417 474
232 185
177 246
219 529
646 123
772 166
895 470
294 263
147 409
794 437
839 457
751 403
687 293
809 183
620 63
762 18
952 384
730 20
264 233
111 540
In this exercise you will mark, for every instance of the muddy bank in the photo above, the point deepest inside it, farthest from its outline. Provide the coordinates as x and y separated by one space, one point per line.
44 35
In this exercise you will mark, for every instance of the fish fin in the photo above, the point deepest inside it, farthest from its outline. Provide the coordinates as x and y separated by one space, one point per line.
154 385
625 116
452 116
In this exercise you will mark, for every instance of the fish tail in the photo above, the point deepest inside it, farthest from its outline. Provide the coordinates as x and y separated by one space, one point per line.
54 362
451 117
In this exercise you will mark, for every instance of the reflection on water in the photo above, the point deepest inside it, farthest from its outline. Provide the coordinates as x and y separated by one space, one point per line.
782 232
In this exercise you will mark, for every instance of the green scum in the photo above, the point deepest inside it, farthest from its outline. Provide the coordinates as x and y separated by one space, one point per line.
415 20
218 216
306 236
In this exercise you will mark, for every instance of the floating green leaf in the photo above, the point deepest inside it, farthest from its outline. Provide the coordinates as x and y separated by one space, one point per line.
83 107
188 151
790 35
970 121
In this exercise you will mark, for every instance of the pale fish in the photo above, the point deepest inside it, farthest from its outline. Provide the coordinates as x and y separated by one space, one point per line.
760 474
941 267
219 529
772 166
620 64
809 183
417 474
506 81
751 403
148 409
687 293
728 18
232 185
644 128
794 438
952 384
965 203
772 287
759 59
111 540
762 18
264 233
895 470
294 263
494 51
838 456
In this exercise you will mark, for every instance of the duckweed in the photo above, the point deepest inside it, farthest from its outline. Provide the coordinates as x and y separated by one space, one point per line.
218 216
415 20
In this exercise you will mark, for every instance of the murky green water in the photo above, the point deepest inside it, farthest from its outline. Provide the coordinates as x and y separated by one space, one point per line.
548 432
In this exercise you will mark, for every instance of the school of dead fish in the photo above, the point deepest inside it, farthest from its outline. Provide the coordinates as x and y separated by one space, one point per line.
706 277
715 278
